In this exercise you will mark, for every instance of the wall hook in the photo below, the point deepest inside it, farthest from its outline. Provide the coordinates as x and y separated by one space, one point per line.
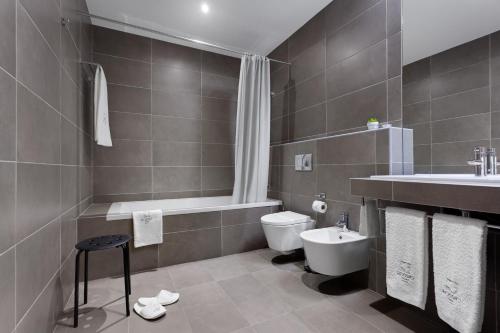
65 21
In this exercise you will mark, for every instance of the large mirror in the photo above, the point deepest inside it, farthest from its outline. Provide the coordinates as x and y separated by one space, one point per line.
451 81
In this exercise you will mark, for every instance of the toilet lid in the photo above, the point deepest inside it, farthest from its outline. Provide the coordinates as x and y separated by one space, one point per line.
284 218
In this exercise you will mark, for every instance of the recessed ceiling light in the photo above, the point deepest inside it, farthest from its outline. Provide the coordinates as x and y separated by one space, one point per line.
205 8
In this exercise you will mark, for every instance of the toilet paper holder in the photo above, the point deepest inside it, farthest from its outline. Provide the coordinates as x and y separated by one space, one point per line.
321 196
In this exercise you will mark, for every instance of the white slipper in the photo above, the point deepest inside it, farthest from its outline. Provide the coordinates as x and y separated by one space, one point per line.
150 311
164 298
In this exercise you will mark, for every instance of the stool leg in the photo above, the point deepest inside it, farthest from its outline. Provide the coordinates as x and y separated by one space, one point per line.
86 282
77 280
125 270
128 269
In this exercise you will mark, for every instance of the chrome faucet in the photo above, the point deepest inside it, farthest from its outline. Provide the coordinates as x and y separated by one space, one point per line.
491 161
480 161
343 221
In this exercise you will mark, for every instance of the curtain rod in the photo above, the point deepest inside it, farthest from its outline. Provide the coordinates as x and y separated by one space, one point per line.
186 39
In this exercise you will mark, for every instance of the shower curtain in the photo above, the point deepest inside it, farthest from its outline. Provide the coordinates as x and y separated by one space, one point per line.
252 131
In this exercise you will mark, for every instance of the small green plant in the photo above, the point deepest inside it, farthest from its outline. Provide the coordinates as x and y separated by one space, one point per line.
372 120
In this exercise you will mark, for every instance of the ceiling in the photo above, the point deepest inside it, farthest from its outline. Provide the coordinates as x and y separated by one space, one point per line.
432 26
253 26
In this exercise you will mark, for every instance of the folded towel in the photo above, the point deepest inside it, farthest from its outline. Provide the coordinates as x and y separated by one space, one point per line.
368 219
459 254
102 134
407 255
148 227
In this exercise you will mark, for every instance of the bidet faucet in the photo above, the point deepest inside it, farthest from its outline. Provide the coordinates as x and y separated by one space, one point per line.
343 221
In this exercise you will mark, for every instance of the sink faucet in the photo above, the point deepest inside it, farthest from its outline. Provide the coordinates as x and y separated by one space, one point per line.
480 161
485 161
343 221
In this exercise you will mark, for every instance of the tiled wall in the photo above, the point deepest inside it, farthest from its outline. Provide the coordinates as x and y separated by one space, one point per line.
45 158
173 112
452 102
186 238
346 68
335 160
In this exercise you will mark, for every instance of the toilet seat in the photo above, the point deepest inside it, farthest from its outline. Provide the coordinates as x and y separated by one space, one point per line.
282 230
285 218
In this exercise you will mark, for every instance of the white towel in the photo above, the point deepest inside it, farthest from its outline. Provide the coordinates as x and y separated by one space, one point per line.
102 134
407 250
148 227
459 253
368 219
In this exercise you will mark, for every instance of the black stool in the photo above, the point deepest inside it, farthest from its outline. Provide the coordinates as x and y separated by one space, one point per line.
97 244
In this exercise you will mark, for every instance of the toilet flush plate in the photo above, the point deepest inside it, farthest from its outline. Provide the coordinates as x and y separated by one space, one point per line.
303 162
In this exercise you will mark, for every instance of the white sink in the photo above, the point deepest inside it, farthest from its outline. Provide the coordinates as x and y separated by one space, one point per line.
465 179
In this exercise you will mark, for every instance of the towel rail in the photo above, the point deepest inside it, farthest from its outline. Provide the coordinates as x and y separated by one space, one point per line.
464 213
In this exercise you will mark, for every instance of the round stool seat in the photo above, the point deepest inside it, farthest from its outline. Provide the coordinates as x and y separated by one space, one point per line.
102 242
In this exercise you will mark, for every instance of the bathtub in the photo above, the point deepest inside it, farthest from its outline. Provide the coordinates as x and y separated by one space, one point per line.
123 210
193 229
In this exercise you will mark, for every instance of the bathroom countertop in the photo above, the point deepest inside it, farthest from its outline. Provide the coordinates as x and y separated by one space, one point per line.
480 198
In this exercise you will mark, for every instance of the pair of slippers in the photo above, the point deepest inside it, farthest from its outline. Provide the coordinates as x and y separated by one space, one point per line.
151 308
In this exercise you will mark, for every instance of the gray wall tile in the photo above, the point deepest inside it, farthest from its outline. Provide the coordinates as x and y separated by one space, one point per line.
394 54
361 70
217 155
462 104
416 113
168 179
178 247
308 63
393 16
243 216
471 77
178 56
117 180
70 195
38 130
220 64
218 132
219 86
37 258
130 126
307 93
308 35
124 71
353 110
8 115
366 30
7 205
214 178
124 153
470 128
219 109
167 153
7 289
169 78
121 44
37 64
176 104
8 36
308 122
69 143
461 56
347 149
242 238
279 105
176 129
341 12
129 99
38 192
186 222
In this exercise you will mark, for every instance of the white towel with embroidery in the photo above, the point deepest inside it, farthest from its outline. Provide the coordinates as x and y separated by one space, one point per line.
102 133
148 227
459 254
407 251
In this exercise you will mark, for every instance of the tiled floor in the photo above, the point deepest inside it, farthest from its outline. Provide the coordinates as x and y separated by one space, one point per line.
243 293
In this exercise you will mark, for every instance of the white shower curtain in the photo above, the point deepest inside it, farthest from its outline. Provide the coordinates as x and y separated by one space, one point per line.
252 131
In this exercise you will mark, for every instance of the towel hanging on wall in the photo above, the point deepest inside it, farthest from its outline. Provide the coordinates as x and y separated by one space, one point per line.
459 253
102 133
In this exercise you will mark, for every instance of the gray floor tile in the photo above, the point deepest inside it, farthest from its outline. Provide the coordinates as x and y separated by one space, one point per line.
187 275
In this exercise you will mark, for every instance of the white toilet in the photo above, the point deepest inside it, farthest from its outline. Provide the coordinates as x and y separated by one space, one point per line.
283 230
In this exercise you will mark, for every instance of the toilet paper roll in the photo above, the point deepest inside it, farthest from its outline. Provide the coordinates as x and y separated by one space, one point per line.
319 206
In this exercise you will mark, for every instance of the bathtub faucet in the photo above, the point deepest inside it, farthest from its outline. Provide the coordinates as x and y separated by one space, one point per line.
343 221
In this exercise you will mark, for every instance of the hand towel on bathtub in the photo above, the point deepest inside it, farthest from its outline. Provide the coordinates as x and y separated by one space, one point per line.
368 219
407 244
459 254
148 227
